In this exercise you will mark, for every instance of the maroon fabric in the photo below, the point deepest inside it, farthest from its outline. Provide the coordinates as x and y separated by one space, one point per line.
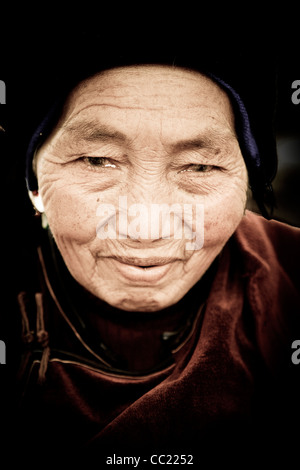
228 380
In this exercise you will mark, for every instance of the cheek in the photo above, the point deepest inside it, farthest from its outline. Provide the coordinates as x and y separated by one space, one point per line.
223 213
71 216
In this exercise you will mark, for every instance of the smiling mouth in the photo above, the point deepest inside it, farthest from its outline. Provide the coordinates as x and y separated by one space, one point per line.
146 271
144 262
144 266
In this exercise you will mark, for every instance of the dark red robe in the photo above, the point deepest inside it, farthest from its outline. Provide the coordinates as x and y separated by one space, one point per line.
222 377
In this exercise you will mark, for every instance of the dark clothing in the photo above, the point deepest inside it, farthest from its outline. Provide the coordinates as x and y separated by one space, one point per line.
213 371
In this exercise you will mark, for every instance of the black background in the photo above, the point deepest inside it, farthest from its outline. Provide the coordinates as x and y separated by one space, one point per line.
23 48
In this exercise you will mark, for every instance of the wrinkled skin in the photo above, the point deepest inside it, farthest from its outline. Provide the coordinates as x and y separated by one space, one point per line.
153 134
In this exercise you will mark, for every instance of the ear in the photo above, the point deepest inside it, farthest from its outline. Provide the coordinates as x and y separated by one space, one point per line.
36 200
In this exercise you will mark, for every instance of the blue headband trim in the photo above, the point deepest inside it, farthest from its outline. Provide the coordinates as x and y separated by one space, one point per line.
38 137
249 140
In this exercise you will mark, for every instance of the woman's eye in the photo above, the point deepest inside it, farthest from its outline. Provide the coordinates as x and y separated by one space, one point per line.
199 168
98 162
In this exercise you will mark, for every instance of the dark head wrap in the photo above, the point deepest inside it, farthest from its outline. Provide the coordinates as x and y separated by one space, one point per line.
247 76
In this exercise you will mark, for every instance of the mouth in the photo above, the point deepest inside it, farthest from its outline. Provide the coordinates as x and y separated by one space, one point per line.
144 262
143 270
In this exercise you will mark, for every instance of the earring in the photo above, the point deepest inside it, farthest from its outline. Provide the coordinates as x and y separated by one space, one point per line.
37 213
37 202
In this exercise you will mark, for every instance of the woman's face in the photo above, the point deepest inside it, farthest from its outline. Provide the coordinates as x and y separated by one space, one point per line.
142 183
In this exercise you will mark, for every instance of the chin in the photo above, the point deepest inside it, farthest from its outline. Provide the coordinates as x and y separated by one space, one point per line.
137 305
146 302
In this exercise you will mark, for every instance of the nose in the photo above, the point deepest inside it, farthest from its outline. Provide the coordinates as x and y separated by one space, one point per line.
146 224
151 222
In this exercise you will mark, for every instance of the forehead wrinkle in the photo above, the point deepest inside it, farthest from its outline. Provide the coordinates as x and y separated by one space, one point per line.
127 106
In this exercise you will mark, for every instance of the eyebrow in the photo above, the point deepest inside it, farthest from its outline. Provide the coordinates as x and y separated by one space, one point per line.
209 137
94 132
90 131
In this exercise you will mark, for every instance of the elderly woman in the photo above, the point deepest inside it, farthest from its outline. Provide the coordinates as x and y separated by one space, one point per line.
161 314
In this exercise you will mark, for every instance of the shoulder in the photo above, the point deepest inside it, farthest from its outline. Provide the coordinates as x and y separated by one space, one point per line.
259 229
269 251
270 242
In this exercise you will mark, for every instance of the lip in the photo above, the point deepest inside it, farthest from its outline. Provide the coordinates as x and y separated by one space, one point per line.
145 270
